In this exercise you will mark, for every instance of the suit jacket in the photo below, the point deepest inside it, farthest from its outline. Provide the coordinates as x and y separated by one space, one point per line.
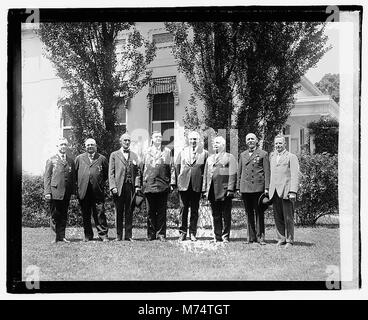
94 172
59 178
222 173
253 171
118 167
284 174
157 168
189 169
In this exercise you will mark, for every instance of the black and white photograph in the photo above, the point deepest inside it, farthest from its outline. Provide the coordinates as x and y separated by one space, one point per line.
181 149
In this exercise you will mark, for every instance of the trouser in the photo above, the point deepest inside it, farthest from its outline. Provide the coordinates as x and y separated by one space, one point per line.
123 209
156 207
95 207
189 199
58 219
255 216
283 210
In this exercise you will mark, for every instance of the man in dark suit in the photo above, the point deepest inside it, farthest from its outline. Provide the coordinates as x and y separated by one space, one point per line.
219 182
124 179
157 179
91 168
189 168
253 180
59 185
284 184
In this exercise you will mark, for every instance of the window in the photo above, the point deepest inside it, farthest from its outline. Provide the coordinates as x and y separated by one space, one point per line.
302 141
162 38
286 134
66 125
121 115
163 117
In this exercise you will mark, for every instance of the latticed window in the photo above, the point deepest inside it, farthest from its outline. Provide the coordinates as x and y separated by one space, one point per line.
162 97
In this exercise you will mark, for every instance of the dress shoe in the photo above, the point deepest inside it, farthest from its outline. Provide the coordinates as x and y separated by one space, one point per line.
182 237
193 237
162 238
129 239
288 245
105 240
249 242
280 243
262 242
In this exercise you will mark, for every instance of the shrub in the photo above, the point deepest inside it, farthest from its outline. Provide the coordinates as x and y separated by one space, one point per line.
34 207
326 135
318 190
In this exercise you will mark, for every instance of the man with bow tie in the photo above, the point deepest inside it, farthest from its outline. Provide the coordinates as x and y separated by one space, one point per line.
284 184
59 185
253 180
219 182
91 168
124 180
189 167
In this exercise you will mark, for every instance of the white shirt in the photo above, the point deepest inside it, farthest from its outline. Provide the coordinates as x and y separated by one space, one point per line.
62 156
125 154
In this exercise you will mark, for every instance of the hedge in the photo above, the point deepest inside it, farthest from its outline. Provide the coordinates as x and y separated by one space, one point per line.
318 189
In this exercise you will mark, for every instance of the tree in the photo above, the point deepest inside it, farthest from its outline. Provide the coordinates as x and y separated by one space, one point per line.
275 58
96 77
206 53
330 84
247 70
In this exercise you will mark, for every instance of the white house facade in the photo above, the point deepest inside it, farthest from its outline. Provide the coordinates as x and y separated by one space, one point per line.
160 105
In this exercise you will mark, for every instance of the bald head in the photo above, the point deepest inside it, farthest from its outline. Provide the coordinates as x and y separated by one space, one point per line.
219 144
251 141
90 144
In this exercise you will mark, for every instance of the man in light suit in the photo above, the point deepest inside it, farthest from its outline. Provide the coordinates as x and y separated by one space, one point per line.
189 168
59 185
219 182
91 168
124 177
283 189
253 180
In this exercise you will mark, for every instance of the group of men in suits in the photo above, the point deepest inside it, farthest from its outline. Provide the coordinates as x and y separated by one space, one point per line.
256 176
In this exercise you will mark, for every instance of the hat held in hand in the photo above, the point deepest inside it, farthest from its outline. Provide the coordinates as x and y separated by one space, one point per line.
137 199
264 201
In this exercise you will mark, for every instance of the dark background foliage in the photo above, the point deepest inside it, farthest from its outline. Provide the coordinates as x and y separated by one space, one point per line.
325 132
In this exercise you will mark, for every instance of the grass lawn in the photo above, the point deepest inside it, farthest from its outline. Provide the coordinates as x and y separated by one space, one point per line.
314 249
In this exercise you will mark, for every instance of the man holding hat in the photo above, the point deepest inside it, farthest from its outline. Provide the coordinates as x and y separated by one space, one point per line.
284 184
253 181
91 168
124 179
